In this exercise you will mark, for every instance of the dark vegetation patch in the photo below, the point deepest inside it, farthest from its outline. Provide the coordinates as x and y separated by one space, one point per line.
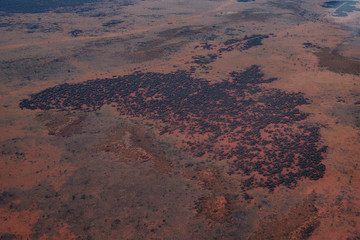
258 131
8 236
206 46
39 6
112 23
243 43
10 150
30 27
155 8
5 24
332 4
310 45
232 32
204 60
335 62
76 32
6 197
149 16
97 15
342 7
239 44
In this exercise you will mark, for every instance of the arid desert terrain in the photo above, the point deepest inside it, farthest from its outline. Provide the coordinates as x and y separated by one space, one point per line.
202 119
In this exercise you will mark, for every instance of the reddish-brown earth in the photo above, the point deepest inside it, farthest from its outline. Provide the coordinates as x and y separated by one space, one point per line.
180 120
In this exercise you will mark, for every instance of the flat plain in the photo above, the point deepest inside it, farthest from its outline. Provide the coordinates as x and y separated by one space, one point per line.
206 119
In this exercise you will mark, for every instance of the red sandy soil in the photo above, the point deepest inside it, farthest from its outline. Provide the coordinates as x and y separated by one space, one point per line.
33 165
92 177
